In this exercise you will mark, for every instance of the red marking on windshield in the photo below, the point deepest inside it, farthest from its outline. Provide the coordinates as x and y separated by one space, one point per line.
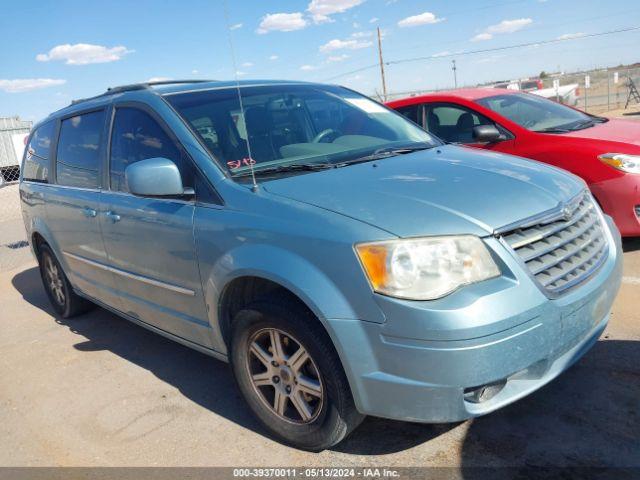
233 164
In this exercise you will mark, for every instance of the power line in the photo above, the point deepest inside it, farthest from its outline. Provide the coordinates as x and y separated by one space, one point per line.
546 26
484 50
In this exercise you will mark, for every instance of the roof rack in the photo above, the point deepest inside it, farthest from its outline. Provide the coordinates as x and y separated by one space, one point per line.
137 86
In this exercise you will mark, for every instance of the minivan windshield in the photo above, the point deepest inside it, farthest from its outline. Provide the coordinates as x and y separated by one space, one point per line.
295 127
538 114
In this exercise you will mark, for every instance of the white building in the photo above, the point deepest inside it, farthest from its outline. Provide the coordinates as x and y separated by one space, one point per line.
13 136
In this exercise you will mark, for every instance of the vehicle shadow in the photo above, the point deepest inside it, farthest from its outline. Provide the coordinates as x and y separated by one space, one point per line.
202 379
589 416
631 244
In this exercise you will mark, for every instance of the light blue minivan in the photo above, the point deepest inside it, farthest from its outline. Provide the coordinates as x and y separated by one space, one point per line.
343 260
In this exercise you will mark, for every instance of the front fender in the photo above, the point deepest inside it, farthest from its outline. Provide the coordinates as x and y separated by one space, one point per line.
293 272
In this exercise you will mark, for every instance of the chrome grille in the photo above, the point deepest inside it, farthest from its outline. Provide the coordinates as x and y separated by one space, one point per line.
565 248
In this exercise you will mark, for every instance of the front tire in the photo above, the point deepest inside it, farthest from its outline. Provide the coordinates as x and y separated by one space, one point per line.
64 300
290 375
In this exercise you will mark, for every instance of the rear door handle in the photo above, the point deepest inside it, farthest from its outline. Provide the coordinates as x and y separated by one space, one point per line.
89 212
114 217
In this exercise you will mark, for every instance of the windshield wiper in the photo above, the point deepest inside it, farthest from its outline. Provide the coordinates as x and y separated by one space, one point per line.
583 124
385 152
293 167
598 119
553 130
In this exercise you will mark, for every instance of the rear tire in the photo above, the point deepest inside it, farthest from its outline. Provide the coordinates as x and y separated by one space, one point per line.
303 399
64 300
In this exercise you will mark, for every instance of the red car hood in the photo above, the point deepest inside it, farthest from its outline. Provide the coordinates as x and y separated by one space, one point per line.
615 130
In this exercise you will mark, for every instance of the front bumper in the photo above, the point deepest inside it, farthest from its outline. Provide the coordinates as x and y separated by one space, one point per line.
418 364
619 198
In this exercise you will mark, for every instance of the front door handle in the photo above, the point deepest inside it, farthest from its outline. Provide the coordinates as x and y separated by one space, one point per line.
89 212
114 217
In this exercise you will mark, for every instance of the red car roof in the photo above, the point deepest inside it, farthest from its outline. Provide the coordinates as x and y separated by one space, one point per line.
466 93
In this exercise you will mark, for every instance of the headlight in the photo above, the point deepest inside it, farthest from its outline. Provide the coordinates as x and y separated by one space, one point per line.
622 161
426 268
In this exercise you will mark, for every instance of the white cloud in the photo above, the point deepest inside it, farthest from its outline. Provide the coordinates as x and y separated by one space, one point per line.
159 79
273 57
281 22
321 10
482 36
568 36
505 26
308 68
235 26
509 26
425 18
83 54
374 20
194 71
361 34
247 64
441 54
28 84
337 44
337 58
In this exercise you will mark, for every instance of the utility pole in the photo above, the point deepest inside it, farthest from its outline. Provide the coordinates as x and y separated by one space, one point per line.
455 76
384 82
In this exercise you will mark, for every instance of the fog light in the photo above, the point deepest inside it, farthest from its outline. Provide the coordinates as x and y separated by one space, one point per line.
483 393
638 211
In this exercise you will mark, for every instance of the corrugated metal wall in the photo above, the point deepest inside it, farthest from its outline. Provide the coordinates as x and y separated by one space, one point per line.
8 127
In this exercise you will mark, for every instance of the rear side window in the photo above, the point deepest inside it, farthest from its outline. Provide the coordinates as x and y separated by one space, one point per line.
36 161
78 155
137 136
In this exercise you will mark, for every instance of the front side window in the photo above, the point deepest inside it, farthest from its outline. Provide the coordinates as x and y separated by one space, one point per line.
412 112
454 123
137 136
78 154
299 125
36 161
536 113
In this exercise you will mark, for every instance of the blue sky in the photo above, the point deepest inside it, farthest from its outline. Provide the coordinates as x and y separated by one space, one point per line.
66 49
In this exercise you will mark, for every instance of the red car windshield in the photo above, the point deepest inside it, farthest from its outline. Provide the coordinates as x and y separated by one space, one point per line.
536 113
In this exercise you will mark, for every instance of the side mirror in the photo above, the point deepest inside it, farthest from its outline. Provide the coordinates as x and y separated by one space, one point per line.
154 177
487 134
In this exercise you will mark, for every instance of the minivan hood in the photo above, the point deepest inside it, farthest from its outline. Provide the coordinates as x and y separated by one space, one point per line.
615 130
441 191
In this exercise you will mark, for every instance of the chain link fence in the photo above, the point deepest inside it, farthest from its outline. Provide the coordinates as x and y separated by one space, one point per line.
14 248
604 93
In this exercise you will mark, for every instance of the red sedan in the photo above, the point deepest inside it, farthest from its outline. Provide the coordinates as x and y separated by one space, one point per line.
605 153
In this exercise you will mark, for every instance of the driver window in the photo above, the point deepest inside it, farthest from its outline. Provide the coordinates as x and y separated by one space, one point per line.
137 136
453 123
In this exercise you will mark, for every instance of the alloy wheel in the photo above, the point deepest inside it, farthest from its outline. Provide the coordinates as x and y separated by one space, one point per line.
54 280
284 376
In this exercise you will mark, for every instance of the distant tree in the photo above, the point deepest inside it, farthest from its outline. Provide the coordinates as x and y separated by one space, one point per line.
543 74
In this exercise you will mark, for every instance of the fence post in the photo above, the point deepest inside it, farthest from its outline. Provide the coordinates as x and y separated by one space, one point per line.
608 91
